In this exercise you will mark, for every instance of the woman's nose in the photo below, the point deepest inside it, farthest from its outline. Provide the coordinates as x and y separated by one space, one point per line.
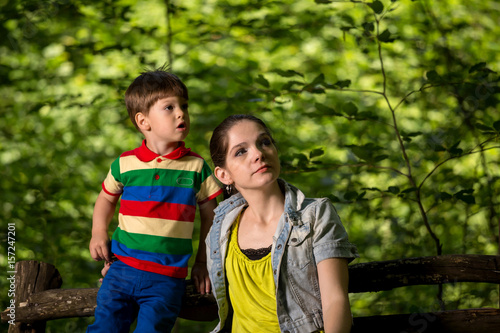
259 154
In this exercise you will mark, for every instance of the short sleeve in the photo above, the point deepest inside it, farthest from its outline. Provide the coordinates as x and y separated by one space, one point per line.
209 187
112 184
330 238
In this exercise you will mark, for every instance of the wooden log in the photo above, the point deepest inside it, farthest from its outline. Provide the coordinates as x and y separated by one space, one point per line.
68 303
366 277
32 277
56 304
198 307
386 275
456 321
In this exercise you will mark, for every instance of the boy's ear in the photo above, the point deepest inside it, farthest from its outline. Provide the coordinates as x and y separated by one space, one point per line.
142 121
223 176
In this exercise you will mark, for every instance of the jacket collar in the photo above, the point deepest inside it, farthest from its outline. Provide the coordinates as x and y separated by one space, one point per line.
293 202
145 155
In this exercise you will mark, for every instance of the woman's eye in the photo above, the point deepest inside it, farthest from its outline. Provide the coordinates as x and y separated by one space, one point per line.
239 152
266 142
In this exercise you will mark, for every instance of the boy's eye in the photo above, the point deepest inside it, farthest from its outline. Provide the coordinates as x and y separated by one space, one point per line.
169 107
185 107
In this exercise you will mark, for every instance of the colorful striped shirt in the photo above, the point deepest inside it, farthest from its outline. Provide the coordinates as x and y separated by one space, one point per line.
158 204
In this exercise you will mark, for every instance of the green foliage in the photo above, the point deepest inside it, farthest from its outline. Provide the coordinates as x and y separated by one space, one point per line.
389 108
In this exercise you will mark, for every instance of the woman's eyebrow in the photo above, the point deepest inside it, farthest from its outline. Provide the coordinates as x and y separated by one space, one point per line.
237 146
244 143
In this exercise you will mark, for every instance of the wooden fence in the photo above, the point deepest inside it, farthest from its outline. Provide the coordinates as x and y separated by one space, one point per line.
39 299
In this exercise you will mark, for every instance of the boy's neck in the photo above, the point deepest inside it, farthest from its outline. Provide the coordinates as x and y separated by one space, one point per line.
162 148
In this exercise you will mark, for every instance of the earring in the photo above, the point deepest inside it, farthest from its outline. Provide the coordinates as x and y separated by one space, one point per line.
229 189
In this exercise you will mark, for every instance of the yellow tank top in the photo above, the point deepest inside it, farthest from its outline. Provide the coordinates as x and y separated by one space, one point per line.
251 290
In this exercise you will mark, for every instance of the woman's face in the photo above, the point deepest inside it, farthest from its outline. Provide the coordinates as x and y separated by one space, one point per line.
252 159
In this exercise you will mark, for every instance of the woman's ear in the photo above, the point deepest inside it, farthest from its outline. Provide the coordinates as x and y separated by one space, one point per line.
223 176
142 121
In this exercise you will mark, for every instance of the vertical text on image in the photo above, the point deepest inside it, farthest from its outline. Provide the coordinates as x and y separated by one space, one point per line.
11 273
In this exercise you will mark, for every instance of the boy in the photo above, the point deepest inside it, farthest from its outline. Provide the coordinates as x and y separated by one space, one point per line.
159 184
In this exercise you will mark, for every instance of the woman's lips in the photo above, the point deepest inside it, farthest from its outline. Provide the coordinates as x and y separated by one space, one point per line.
263 168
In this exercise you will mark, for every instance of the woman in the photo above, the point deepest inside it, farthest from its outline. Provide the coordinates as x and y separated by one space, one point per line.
284 256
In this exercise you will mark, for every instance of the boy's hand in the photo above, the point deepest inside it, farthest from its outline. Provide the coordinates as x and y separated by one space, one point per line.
199 275
99 247
105 269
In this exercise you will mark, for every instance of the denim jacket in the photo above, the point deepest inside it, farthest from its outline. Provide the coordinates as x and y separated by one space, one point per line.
308 232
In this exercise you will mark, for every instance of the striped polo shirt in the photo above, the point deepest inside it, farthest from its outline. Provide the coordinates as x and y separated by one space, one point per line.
158 204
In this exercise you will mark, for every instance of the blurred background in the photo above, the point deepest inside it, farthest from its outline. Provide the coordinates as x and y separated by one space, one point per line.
389 108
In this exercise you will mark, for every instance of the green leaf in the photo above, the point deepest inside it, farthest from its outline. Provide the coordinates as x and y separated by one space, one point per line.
317 90
433 76
290 84
366 115
465 196
371 189
288 73
381 158
368 26
365 152
318 79
483 127
302 159
477 67
469 199
411 134
350 108
409 190
349 19
444 196
333 198
343 83
316 152
454 150
339 84
376 6
393 189
325 110
361 196
385 37
496 125
350 195
262 81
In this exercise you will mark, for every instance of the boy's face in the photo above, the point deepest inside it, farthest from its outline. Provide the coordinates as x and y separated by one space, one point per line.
168 119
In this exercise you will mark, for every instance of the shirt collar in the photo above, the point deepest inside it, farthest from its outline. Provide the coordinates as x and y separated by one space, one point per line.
144 154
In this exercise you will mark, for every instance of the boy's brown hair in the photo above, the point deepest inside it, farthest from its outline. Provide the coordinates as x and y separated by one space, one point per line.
149 87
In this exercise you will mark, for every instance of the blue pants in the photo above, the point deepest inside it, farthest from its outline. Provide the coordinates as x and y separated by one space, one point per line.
127 293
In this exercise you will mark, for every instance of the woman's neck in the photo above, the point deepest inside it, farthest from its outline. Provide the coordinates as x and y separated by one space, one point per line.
265 205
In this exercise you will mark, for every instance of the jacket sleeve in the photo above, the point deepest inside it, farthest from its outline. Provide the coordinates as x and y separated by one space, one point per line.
330 238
